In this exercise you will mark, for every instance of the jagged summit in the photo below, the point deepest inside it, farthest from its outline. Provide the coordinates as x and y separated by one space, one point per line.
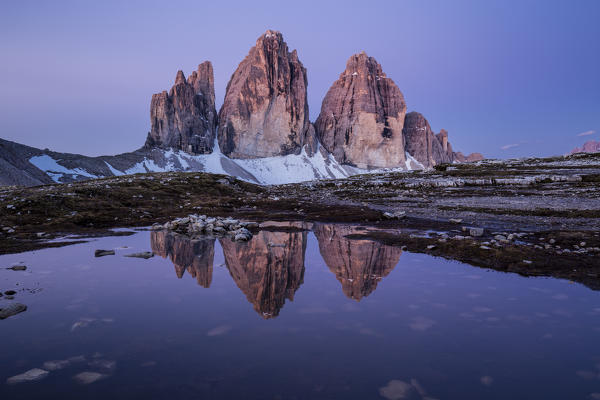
265 111
185 117
263 129
362 116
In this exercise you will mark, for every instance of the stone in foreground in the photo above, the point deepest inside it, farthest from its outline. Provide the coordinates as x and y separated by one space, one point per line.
12 309
32 375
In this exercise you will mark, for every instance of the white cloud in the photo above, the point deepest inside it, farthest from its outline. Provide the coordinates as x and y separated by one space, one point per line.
586 133
509 146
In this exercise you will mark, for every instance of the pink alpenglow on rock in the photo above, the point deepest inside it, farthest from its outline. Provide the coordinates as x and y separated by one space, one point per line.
185 118
265 112
362 117
591 146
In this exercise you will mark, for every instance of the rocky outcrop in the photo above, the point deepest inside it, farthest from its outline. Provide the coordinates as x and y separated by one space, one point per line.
447 152
268 269
359 265
265 112
192 255
591 146
421 143
473 157
185 117
362 117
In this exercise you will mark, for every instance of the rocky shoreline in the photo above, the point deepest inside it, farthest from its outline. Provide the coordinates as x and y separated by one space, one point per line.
536 217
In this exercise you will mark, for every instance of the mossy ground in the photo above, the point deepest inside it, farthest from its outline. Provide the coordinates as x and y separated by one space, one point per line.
94 207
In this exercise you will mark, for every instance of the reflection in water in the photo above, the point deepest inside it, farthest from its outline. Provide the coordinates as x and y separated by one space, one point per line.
194 255
269 268
357 264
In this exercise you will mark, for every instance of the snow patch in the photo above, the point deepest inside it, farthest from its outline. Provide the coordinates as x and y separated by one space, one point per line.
114 171
56 171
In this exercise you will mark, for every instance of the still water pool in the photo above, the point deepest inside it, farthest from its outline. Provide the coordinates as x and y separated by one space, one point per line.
293 314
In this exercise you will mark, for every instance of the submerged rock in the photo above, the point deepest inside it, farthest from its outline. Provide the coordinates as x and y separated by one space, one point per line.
145 255
87 377
12 309
32 375
102 253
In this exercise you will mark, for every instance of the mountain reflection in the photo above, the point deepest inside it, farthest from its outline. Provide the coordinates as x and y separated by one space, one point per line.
269 268
358 264
194 255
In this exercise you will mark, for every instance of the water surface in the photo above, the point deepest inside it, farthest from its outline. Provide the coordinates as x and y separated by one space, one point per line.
291 315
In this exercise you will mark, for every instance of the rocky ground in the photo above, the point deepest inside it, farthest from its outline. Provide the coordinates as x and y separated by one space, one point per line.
535 217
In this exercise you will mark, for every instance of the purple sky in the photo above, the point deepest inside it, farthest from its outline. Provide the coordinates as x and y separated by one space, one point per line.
77 76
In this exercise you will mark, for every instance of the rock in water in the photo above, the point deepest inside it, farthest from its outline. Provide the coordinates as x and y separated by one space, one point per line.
102 253
421 143
362 117
12 309
18 268
265 112
185 118
145 255
32 375
85 378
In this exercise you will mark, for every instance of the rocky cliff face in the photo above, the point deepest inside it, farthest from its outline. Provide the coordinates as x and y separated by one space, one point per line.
185 118
421 143
591 146
460 157
194 255
359 265
268 269
362 117
265 112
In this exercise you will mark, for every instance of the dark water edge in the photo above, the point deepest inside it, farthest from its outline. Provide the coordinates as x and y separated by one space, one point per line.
292 315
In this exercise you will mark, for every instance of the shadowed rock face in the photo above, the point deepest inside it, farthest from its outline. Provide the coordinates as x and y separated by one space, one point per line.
194 255
268 269
362 117
359 265
421 143
185 118
265 112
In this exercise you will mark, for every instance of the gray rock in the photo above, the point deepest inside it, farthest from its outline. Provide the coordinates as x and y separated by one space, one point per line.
102 253
18 268
12 309
500 237
32 375
476 232
145 255
241 237
87 377
55 365
455 220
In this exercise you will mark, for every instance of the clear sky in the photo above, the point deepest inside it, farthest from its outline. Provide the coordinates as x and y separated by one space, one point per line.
505 78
